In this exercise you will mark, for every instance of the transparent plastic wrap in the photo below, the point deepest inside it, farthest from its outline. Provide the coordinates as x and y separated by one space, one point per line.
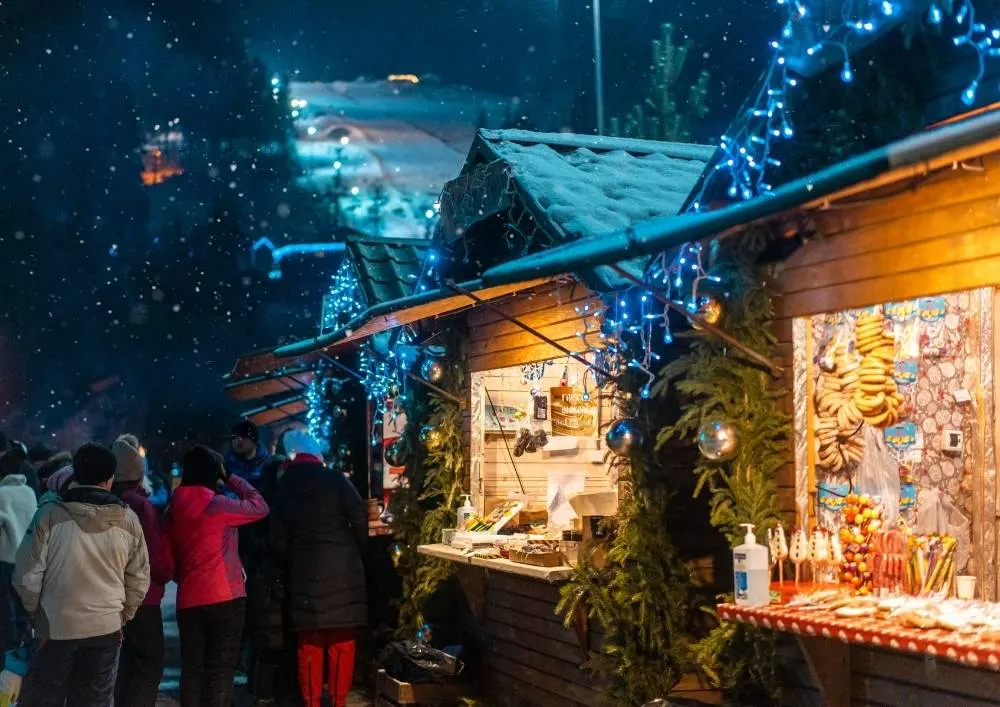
937 515
878 474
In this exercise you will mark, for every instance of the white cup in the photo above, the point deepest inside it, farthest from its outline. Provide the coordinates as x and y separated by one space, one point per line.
966 586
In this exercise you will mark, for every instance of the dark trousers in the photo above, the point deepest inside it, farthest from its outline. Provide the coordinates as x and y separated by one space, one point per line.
77 673
141 664
210 647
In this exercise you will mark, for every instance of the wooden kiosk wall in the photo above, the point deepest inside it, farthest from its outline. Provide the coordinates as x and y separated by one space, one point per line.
938 236
529 658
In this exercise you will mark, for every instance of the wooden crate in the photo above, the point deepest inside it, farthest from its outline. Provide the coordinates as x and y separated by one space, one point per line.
391 692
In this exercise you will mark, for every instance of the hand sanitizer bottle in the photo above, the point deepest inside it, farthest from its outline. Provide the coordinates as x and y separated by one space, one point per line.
466 510
750 571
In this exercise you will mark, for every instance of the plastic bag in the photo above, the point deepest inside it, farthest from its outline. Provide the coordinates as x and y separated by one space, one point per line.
936 514
878 475
416 662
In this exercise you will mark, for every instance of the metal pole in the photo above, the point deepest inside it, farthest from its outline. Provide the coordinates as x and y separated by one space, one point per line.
598 67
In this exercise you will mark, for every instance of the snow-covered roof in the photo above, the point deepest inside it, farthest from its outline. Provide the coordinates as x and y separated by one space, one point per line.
575 187
589 185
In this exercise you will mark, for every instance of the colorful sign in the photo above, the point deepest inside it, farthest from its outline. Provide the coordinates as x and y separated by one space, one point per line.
933 308
901 436
832 496
906 371
901 311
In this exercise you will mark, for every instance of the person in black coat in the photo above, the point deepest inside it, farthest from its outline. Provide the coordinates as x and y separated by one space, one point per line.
319 523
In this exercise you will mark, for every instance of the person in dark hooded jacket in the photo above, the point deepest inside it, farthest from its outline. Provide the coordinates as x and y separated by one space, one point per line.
320 524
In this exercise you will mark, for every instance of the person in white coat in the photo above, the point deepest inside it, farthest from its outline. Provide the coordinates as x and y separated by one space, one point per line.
17 507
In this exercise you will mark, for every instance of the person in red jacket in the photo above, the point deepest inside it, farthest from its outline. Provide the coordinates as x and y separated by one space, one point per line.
140 665
202 523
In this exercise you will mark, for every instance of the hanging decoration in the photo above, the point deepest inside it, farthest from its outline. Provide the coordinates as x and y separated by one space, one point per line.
318 419
533 372
432 370
746 150
344 301
397 453
625 438
710 309
380 378
430 436
717 440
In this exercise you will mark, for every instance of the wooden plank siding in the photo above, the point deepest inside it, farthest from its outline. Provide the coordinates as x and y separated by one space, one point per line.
939 235
533 661
551 309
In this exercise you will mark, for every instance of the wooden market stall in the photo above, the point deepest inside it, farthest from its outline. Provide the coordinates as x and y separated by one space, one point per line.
891 259
534 191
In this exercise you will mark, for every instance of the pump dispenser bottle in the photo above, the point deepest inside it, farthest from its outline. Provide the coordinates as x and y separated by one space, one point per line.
750 570
466 510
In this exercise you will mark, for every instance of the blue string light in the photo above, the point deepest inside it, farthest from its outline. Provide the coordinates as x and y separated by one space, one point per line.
344 301
318 418
746 150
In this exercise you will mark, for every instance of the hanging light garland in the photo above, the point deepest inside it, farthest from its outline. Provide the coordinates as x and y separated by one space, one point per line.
622 332
746 150
319 420
345 299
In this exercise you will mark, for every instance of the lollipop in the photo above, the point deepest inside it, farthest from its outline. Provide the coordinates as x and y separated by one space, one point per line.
819 553
800 550
779 550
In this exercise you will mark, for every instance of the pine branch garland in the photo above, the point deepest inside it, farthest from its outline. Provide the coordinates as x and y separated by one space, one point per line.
427 503
715 383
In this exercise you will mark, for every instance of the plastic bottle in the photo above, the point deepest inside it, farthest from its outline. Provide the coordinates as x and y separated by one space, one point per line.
466 510
750 570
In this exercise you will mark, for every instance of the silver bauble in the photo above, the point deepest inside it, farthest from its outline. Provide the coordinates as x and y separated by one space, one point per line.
717 440
396 453
432 370
625 438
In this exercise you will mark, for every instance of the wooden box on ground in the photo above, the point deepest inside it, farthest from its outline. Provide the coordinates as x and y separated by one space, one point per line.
391 692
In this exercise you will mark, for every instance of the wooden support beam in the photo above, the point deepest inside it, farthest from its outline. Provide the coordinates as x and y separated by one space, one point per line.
829 664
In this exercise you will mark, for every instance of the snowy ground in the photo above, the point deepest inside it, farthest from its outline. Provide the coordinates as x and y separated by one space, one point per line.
411 138
171 674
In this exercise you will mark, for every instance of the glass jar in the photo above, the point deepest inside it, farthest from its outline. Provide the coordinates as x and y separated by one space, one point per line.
570 546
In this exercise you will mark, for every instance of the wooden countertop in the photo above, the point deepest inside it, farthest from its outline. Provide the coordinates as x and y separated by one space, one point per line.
552 575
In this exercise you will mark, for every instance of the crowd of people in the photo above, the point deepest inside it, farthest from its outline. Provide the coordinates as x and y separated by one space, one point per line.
266 550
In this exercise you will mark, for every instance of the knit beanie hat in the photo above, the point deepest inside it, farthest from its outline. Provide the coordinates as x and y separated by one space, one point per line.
298 441
247 430
131 463
93 464
201 467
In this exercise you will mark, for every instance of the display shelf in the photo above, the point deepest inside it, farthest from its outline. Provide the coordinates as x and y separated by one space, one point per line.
967 649
551 575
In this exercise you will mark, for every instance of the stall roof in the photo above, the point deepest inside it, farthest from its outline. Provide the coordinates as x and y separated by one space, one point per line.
908 158
407 310
573 186
387 268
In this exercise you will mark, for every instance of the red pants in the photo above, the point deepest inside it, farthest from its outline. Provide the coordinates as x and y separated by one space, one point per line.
332 647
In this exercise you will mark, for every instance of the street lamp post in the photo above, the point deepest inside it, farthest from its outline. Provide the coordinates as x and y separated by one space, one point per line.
598 67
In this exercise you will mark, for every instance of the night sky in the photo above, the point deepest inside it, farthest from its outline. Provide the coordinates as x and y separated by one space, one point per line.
124 305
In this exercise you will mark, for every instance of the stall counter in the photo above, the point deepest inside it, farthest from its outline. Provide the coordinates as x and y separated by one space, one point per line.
854 660
551 575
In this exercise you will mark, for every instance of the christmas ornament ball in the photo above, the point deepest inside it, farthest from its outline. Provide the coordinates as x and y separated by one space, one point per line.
625 438
430 436
432 370
710 310
717 440
395 453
